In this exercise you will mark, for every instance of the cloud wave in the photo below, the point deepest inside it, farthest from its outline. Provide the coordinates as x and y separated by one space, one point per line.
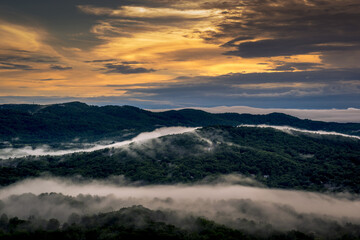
45 150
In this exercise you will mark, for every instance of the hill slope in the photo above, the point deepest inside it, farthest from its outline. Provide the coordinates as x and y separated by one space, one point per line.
274 158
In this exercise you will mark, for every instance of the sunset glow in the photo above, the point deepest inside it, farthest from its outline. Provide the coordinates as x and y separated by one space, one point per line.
123 52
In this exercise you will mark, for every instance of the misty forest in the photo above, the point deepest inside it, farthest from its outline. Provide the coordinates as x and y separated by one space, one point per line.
74 171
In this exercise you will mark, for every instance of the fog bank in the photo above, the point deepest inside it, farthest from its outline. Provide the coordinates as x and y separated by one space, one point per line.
46 150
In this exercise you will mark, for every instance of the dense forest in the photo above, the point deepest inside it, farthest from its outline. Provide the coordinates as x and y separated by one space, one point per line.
138 222
274 158
51 124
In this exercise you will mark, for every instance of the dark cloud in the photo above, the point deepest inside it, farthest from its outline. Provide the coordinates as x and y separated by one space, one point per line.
311 89
18 56
292 66
60 68
235 85
258 28
6 66
283 47
131 62
50 79
16 50
342 59
47 79
224 5
126 86
112 60
32 57
100 61
288 27
316 76
232 43
125 69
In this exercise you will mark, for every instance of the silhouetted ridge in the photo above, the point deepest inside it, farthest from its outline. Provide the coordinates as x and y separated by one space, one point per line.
29 123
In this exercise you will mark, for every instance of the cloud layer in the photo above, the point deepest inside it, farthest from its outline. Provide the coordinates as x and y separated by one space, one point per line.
264 28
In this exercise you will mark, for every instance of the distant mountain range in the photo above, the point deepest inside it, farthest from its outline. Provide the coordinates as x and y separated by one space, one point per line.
30 123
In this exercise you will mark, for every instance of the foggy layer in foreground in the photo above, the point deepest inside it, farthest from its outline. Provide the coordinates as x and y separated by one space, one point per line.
224 203
46 150
289 130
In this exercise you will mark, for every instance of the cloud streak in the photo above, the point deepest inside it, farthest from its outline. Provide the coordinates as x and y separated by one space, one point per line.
292 130
26 56
12 66
60 68
125 69
45 150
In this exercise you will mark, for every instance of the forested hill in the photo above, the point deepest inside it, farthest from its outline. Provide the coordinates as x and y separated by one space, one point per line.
30 123
274 158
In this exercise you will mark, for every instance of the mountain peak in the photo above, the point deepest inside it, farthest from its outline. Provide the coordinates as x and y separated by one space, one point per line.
72 104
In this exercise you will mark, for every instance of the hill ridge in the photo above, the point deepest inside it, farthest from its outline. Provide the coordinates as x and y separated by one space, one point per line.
67 121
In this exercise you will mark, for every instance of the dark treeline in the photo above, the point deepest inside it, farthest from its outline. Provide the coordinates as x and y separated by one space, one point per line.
274 158
36 124
138 222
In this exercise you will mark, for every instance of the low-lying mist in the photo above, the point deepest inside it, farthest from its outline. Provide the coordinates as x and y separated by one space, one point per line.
291 130
46 150
221 201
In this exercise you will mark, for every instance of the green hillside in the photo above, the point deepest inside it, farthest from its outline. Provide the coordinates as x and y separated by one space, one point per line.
272 157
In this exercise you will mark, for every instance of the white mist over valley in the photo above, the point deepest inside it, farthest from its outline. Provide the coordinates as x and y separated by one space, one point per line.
222 202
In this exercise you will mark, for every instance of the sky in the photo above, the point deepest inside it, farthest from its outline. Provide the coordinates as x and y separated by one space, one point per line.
299 54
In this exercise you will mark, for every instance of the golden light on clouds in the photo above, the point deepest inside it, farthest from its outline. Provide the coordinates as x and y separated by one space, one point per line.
161 43
146 12
16 36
